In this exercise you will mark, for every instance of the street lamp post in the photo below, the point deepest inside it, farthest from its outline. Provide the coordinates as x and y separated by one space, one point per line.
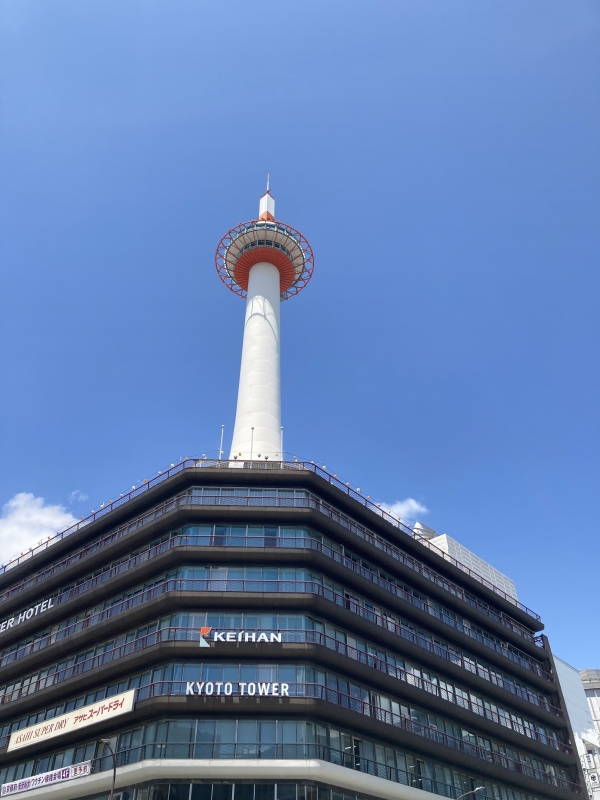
107 743
478 789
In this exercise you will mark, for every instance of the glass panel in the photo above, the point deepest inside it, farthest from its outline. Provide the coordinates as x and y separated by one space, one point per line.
268 748
179 791
205 736
225 738
182 731
248 673
43 765
287 731
230 672
264 791
286 791
221 791
267 672
201 791
150 733
247 731
190 672
219 539
271 537
212 672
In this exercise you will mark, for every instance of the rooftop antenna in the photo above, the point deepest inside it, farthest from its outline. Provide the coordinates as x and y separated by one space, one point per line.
268 183
221 444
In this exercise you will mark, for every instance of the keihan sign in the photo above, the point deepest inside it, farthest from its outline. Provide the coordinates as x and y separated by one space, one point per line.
74 720
208 635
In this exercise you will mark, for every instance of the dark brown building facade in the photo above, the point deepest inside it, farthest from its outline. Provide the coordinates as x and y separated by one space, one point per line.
258 630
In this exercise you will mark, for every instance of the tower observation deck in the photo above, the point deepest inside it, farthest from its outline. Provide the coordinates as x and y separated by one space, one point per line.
265 261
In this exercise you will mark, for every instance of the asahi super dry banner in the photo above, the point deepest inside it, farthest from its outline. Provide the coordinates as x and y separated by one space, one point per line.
74 720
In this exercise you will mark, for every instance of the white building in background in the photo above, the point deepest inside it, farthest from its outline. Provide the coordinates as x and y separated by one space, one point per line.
582 723
590 679
459 552
580 689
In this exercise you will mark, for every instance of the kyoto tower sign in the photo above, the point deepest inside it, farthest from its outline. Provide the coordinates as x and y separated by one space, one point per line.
265 261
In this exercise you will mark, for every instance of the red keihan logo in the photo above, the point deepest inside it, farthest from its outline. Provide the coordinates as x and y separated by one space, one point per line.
203 634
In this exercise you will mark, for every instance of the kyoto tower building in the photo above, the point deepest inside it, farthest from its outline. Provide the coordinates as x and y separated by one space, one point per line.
254 628
265 261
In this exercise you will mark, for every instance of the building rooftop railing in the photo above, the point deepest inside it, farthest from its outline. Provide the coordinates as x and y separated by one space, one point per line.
148 484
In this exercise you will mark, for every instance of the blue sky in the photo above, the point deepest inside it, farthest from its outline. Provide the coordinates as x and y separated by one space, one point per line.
441 157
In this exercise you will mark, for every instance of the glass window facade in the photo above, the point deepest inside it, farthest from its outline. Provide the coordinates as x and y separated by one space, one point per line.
272 739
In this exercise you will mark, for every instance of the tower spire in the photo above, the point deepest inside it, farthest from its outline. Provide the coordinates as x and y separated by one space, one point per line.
266 206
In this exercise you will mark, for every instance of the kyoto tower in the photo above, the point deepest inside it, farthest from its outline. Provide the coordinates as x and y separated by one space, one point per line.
265 261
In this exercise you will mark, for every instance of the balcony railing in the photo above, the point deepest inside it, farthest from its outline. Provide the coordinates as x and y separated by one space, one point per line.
193 635
273 586
366 708
277 751
276 542
34 684
296 636
319 692
262 465
299 502
334 697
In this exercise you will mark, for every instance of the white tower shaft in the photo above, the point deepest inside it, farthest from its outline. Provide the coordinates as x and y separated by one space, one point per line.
258 416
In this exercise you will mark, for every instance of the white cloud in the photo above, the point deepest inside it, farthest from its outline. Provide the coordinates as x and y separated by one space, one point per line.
77 497
407 510
26 520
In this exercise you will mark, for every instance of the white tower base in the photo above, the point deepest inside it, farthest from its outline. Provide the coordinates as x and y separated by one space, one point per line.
257 431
